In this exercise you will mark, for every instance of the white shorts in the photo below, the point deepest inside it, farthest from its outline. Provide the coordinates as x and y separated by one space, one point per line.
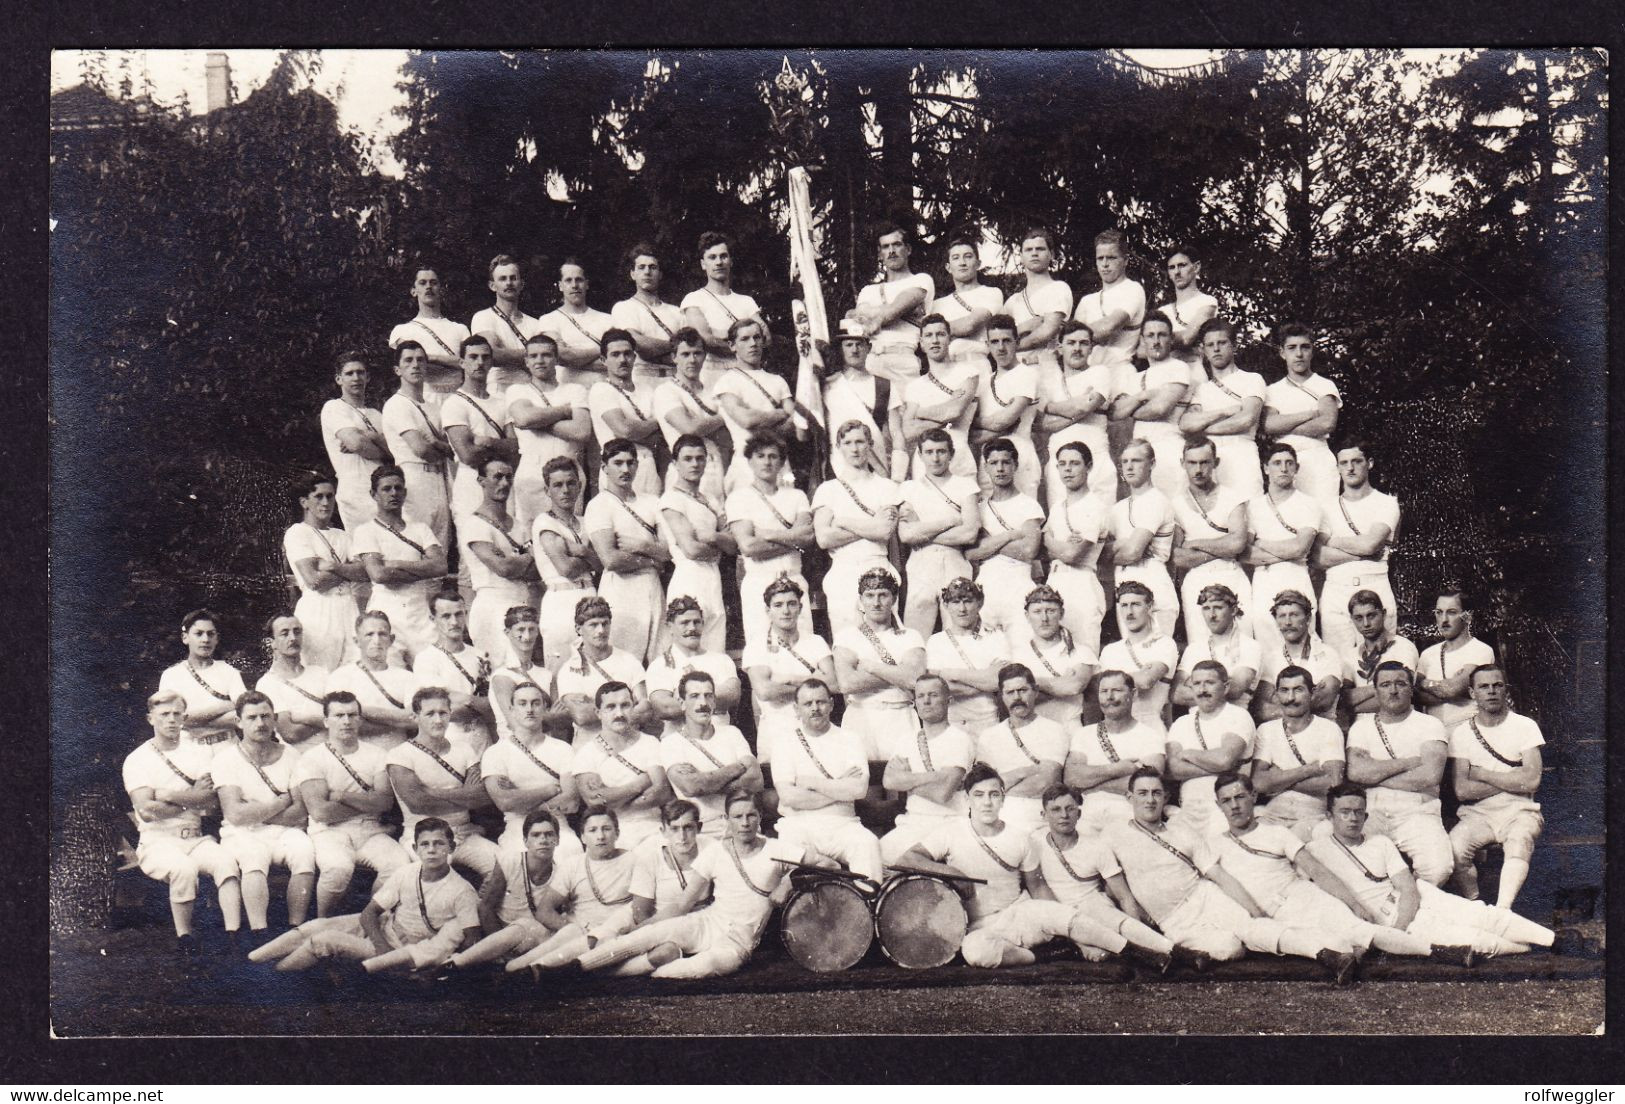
257 848
1306 905
179 859
1515 828
840 837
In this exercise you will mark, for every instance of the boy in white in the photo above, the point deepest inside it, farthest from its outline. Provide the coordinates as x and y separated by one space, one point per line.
418 444
592 664
504 324
475 419
890 308
1062 667
1027 749
170 789
263 819
405 561
753 401
344 785
740 876
786 656
1444 670
713 309
663 866
855 517
1224 642
320 558
624 528
208 686
1114 313
1328 673
771 524
1145 655
705 759
1495 762
876 663
1042 305
550 420
929 769
1074 404
652 322
530 772
1101 757
942 398
1211 739
939 517
1210 537
1074 535
441 337
618 413
685 407
620 768
852 394
355 444
1013 911
1298 759
1227 405
1155 399
1007 406
432 776
1301 410
462 672
296 691
969 305
819 771
384 693
1399 754
578 328
598 888
1284 522
520 902
1010 539
1374 871
967 657
696 531
418 917
1358 535
1142 529
1191 306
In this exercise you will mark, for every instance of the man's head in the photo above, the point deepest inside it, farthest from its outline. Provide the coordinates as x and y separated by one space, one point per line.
374 635
984 790
931 698
891 247
1297 344
593 621
528 708
1488 687
450 618
1294 691
937 450
285 635
1134 605
680 824
540 832
1282 466
475 353
1077 342
1017 691
642 267
1156 336
505 279
1037 250
1234 793
962 598
431 705
1114 690
1218 341
964 256
1000 335
690 456
854 442
853 343
1369 614
351 375
573 282
877 595
1208 681
999 460
688 353
411 363
1219 607
935 338
1073 462
1354 464
716 256
765 454
813 704
1184 267
620 353
698 693
318 495
200 634
389 488
748 338
562 478
166 713
1138 460
1393 682
1045 609
426 289
1062 805
782 597
341 715
1147 795
615 702
685 621
600 829
1346 806
433 843
1291 610
620 462
1453 613
743 808
1110 258
1200 459
494 473
541 357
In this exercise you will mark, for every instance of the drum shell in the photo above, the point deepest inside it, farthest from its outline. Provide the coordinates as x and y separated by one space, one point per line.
827 925
920 921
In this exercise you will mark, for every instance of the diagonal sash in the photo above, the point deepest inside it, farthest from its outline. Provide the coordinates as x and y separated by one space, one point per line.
438 340
1472 722
168 762
447 767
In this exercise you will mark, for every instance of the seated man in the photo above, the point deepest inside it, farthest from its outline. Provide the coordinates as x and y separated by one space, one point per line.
344 784
1292 886
1212 738
1300 647
620 767
598 889
819 771
929 769
1012 911
661 868
1175 881
1399 754
742 877
704 759
1101 757
417 918
530 772
432 776
170 789
1299 757
1225 642
685 654
1028 750
520 900
593 663
263 817
384 693
1495 762
1372 869
1378 644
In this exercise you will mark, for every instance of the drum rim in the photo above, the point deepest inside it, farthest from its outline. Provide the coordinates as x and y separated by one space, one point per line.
868 901
892 883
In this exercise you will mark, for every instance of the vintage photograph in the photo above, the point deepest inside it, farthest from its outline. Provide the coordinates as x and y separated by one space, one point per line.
564 542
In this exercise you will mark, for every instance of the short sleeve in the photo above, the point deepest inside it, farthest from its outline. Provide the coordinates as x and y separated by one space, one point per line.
388 893
645 872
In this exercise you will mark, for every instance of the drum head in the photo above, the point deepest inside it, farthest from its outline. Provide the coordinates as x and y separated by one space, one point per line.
827 926
920 921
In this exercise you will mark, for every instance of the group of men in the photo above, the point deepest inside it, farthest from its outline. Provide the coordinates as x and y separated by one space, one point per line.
997 466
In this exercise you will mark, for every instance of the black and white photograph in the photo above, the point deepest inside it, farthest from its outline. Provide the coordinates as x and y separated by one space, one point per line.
827 542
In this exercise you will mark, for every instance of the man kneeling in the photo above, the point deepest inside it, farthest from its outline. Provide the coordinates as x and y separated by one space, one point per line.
1006 923
417 918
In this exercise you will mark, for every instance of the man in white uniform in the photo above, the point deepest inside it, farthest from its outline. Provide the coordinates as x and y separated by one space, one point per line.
891 308
1211 537
1024 747
1114 313
1101 757
1042 305
406 563
652 322
620 768
1227 406
618 413
521 902
418 444
1301 409
475 420
1354 554
1444 670
591 665
1377 644
754 401
1010 540
598 890
296 689
1142 530
529 773
1284 522
1062 666
1399 754
704 759
1214 737
497 552
1299 757
1075 533
929 769
853 394
462 671
327 573
504 323
771 525
876 663
1300 647
383 691
565 559
624 528
1223 642
578 328
819 771
550 420
1155 398
969 305
1074 406
433 777
440 337
943 397
209 686
1495 762
354 441
685 406
940 517
1007 405
170 789
1191 306
686 652
713 309
855 518
1145 655
786 655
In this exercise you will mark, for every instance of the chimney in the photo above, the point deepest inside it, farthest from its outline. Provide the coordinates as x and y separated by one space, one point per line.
219 79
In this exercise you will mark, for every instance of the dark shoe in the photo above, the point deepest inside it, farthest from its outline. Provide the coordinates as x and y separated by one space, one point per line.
234 945
447 973
1569 941
186 946
1341 965
1198 961
1460 956
1156 961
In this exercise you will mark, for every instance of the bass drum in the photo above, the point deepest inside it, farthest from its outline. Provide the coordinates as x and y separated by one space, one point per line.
920 921
826 925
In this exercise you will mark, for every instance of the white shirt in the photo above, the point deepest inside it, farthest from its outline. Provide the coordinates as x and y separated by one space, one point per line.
1004 748
230 767
527 767
1127 296
398 682
324 763
1513 739
1202 522
483 418
145 767
636 761
668 668
1064 386
1399 649
1291 396
460 671
772 516
1436 663
1095 747
932 388
450 905
638 519
570 533
603 397
958 304
936 501
576 332
1085 516
301 697
1320 742
538 446
952 747
1321 661
597 887
720 311
1209 396
1199 305
956 843
1077 874
997 389
584 678
898 643
500 333
1159 880
1376 508
1264 865
1270 519
660 321
725 745
432 774
374 538
981 651
1377 855
475 529
402 415
1121 655
1054 297
1004 516
1406 738
657 873
672 396
854 499
516 901
741 900
1236 651
353 471
1198 732
1147 509
800 755
849 399
901 332
328 547
786 663
1153 378
757 390
221 683
440 337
